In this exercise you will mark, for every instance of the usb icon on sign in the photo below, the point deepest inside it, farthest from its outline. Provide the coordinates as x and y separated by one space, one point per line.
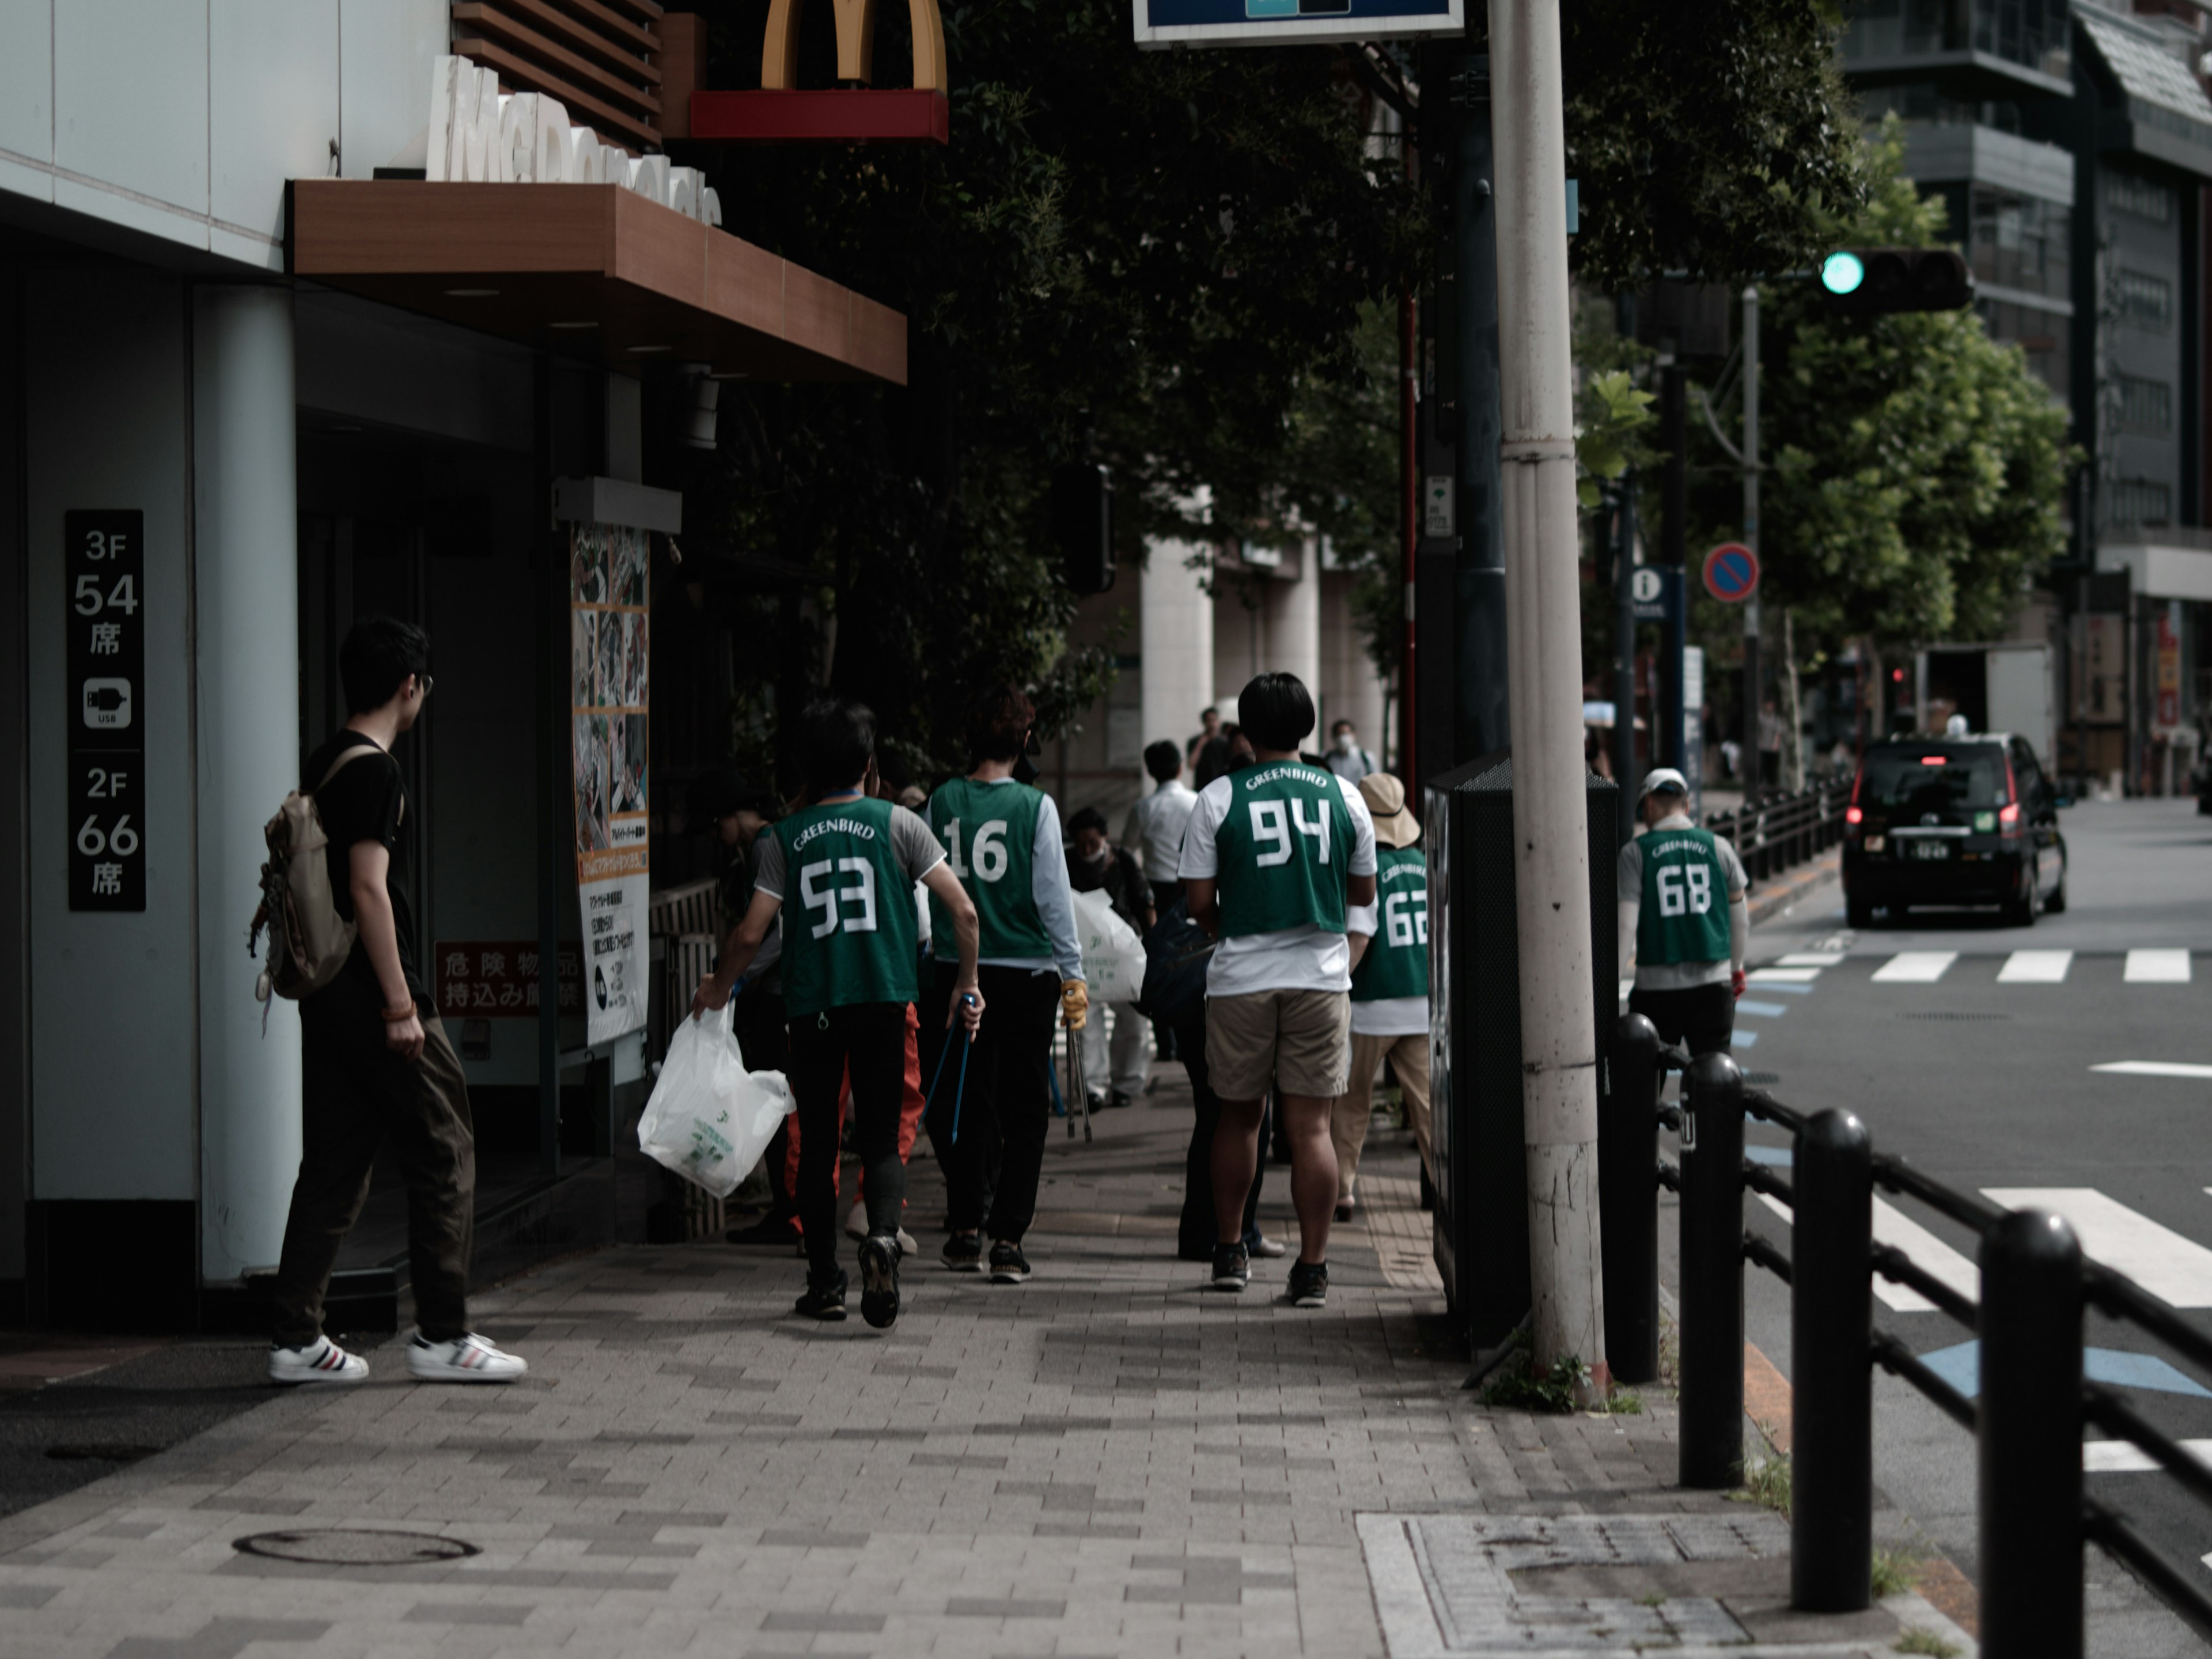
107 704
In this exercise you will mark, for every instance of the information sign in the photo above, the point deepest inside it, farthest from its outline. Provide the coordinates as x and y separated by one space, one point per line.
104 707
1280 22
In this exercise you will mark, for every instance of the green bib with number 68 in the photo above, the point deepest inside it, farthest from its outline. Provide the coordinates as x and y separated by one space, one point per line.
1684 916
1284 848
990 831
849 933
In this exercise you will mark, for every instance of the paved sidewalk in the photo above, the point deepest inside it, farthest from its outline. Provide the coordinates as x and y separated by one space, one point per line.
1109 1461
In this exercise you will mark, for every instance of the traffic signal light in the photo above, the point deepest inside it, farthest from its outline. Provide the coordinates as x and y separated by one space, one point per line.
1082 509
1870 282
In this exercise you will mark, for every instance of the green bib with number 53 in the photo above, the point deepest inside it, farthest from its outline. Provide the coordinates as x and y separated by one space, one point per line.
1285 848
849 933
1684 916
990 831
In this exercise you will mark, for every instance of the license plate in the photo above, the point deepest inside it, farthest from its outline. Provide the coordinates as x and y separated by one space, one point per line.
1928 850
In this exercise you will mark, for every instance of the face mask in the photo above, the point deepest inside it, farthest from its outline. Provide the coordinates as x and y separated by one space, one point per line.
1344 742
1098 857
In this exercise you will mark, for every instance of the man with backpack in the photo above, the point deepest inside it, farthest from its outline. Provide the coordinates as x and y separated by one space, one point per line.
1003 839
839 874
376 1058
1274 858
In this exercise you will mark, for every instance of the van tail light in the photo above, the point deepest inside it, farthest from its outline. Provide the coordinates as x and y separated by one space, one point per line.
2008 819
1853 818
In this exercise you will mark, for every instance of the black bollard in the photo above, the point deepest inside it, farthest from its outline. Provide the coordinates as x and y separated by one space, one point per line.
1711 1453
1831 1369
2031 1439
1628 1200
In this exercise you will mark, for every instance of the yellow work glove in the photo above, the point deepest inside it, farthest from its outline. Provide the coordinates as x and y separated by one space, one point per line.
1074 1003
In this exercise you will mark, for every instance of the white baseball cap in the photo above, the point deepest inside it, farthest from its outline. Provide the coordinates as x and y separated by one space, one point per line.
1663 778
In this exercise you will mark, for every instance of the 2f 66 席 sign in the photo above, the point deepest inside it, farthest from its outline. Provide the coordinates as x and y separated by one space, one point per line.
1286 22
104 707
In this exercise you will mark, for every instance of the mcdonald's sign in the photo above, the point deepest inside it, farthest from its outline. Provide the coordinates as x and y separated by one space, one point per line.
854 111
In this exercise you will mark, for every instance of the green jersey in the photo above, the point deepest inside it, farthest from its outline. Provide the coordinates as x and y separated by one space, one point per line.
1397 960
849 930
1683 916
990 831
1284 848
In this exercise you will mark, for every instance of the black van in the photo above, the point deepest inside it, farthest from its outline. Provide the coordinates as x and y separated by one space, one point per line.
1957 820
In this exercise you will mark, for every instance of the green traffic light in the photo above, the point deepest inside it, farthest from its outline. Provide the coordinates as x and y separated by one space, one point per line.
1842 272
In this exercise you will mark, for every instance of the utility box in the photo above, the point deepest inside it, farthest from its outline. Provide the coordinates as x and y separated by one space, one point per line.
1475 1043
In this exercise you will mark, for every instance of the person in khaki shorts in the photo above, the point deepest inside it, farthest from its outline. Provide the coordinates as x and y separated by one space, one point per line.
1389 988
1274 858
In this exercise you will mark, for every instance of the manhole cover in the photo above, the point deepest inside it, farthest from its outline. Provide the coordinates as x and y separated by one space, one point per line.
356 1546
76 1454
1950 1014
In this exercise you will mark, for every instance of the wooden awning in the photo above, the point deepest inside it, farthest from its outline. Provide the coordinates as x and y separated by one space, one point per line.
589 271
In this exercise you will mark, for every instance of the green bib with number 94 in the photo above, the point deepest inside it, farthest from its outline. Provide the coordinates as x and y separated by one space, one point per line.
849 933
1684 916
1286 849
990 831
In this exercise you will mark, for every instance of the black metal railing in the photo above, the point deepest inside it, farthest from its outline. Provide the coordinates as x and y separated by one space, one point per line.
1773 832
2033 1515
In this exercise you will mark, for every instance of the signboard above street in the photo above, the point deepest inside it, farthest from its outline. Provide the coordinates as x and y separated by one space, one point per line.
1291 22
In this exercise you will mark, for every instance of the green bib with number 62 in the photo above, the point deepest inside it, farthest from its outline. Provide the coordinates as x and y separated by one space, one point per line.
1284 848
1684 916
1397 960
849 933
989 832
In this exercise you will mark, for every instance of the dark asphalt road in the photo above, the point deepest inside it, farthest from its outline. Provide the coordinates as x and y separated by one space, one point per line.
1986 1084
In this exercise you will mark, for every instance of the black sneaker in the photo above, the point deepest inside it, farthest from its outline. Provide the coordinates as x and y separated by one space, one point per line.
1232 1268
962 1253
1008 1265
825 1298
1310 1284
880 1291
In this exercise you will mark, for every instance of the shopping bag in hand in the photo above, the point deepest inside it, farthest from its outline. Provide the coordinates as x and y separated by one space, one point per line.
1113 955
709 1119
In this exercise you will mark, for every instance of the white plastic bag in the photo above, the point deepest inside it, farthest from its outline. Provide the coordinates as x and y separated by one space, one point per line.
709 1119
1113 954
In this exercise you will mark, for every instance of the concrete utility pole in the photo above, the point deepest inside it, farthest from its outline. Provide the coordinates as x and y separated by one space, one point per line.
1544 651
1752 702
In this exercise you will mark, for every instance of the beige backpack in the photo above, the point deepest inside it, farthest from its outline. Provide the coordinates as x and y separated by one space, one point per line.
308 940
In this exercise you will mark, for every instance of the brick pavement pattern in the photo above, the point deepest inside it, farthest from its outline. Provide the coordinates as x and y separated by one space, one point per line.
1107 1461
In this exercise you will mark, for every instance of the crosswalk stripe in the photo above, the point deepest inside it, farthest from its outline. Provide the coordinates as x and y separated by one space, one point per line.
2176 1270
1811 959
1763 1010
2035 968
1783 975
1915 968
2157 968
2152 1068
2124 1457
1929 1254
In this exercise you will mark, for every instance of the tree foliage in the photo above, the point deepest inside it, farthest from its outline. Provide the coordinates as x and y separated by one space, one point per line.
1917 467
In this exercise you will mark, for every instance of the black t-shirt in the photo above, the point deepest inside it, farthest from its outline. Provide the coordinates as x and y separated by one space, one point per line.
365 802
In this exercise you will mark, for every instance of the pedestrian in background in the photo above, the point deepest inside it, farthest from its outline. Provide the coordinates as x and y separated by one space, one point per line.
1345 758
1390 1014
1683 921
1153 829
375 1056
1095 866
1209 721
1274 859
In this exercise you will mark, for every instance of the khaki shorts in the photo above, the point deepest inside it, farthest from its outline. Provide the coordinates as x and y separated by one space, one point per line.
1300 1041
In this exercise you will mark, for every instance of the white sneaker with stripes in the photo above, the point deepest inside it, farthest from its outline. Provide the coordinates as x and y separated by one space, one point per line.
470 1358
321 1361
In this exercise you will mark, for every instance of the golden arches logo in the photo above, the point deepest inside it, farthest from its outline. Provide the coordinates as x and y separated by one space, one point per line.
856 44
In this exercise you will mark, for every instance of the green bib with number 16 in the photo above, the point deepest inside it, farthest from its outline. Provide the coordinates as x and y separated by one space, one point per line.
849 931
1285 848
1684 916
990 831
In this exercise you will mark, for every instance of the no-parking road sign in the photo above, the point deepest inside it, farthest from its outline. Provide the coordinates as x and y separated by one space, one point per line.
1732 572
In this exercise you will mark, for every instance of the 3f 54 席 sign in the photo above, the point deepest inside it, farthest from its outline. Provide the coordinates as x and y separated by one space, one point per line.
104 707
1286 22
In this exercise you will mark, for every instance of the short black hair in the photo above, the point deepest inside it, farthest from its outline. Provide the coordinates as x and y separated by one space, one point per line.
999 723
1213 761
1089 818
1341 726
1276 711
1164 761
836 741
1208 709
378 653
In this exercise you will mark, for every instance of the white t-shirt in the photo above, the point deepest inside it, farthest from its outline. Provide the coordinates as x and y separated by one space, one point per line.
1297 958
